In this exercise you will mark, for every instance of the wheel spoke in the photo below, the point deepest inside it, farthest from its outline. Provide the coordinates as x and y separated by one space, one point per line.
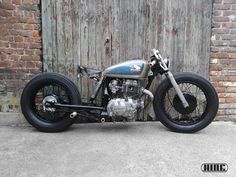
50 90
196 114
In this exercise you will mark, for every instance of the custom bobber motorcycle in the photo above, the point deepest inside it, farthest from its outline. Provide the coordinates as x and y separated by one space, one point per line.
183 102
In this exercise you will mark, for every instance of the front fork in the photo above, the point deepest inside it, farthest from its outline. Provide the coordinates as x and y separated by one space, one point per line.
170 76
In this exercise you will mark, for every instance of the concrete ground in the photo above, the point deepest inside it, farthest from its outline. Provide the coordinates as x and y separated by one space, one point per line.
116 149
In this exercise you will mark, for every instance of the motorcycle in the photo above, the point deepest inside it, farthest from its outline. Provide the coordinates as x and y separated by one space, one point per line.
183 102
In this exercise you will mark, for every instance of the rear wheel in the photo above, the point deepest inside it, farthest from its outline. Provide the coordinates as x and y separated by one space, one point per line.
48 87
201 97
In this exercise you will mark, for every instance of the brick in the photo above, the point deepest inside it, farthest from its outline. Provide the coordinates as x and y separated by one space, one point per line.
17 2
230 111
216 37
38 52
29 40
25 33
218 1
35 46
228 36
220 31
234 7
228 84
218 12
233 43
22 45
232 55
37 58
226 105
35 34
230 95
221 19
221 7
31 20
4 44
215 67
37 27
26 58
220 89
18 39
229 49
230 100
222 100
6 13
39 64
14 57
229 12
18 51
215 49
18 27
37 40
28 7
220 43
28 27
214 61
229 25
27 1
29 52
216 25
229 2
222 95
7 6
213 73
35 2
18 14
231 89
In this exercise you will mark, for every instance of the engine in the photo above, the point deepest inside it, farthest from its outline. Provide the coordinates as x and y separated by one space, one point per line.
126 98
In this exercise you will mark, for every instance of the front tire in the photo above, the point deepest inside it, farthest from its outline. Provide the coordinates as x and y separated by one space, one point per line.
203 109
52 86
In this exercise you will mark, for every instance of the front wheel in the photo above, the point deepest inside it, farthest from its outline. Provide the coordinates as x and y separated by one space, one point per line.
201 97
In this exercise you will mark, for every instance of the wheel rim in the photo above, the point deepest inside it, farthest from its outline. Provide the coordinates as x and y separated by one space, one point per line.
189 116
59 92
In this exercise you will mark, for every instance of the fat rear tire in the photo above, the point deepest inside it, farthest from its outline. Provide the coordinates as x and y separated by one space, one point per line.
210 93
28 93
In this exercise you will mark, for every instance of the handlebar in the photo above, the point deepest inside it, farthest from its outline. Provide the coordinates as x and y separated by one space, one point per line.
163 62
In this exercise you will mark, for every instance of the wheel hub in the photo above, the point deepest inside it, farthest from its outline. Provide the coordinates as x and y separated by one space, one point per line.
49 99
192 101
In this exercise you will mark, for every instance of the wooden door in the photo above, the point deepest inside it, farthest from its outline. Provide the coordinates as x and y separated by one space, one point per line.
100 33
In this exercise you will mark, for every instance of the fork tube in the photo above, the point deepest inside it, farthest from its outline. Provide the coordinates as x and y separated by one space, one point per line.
177 89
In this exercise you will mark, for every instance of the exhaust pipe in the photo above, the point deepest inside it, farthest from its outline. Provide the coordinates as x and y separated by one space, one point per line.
147 92
73 115
103 120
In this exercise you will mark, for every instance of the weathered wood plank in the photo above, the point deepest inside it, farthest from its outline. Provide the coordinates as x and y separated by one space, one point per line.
47 33
68 41
75 41
84 55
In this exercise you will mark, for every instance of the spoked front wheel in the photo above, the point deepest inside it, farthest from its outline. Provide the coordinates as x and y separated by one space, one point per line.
201 97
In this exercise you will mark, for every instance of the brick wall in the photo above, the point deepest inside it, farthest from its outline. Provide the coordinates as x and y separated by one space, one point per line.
223 56
20 49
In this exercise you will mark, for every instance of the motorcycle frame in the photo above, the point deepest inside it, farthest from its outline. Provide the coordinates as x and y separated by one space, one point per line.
158 66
